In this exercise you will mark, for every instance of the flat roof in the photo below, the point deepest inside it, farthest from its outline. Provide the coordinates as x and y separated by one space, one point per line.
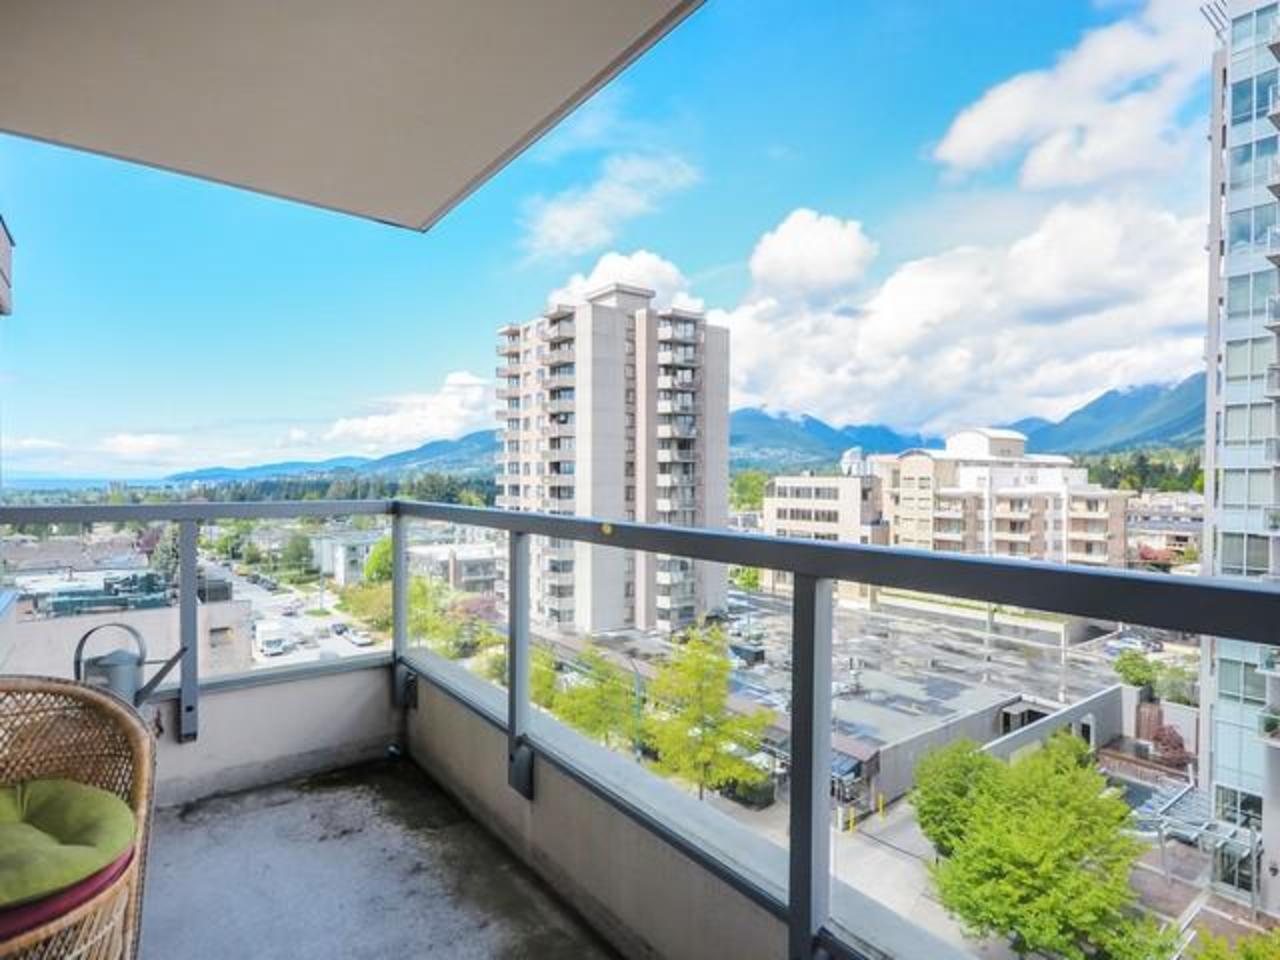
393 111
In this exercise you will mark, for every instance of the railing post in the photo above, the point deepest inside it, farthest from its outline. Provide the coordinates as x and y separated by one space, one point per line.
810 880
402 678
188 632
519 753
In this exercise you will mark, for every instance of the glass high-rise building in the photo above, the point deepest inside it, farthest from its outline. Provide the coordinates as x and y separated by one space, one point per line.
1239 766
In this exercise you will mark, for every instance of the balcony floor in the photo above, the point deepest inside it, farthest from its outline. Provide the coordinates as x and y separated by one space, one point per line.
373 861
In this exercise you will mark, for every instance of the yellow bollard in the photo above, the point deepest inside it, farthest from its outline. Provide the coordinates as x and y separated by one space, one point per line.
852 823
880 804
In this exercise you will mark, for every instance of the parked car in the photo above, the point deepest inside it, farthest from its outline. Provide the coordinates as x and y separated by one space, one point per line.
1130 642
340 628
360 639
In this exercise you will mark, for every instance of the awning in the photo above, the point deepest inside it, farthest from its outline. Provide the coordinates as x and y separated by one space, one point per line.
393 110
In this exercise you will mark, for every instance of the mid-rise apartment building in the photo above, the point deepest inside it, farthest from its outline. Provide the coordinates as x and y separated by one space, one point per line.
844 508
1238 686
982 493
611 408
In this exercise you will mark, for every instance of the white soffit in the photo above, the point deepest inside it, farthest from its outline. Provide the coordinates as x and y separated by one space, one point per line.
389 109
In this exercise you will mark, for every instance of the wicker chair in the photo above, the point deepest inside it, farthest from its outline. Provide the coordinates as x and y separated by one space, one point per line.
57 728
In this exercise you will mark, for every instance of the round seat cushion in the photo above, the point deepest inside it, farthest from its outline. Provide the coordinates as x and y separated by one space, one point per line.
55 833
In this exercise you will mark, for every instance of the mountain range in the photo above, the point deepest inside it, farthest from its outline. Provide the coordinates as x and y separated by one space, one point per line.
1152 415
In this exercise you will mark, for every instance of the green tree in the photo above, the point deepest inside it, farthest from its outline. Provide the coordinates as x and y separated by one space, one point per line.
1045 859
230 545
378 565
370 603
251 554
746 578
296 554
746 490
697 737
166 555
947 781
601 702
542 678
470 498
1135 669
1258 946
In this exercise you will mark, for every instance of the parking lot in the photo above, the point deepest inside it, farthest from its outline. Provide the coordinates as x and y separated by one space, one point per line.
307 636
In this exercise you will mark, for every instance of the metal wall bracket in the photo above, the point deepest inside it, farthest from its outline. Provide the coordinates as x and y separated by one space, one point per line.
405 692
520 769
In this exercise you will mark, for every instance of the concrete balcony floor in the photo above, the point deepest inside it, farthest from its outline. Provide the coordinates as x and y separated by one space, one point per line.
373 861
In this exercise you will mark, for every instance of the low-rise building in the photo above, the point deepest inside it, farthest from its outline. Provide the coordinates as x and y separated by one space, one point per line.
469 567
342 555
1165 528
982 493
841 508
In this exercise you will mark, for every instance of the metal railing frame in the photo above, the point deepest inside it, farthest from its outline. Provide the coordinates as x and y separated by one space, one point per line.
1244 610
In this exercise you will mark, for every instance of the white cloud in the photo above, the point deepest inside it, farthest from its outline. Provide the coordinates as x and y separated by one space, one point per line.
1097 295
140 446
641 268
582 219
811 254
34 444
462 404
1112 106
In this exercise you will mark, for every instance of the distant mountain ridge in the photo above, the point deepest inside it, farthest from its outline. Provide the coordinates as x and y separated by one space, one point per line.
468 455
760 438
1170 415
1164 415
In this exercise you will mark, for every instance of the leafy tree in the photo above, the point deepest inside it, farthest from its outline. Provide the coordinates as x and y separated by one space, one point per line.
1170 746
697 738
494 667
1045 860
166 554
296 554
378 565
602 702
251 554
1135 669
746 578
947 781
471 498
369 603
746 491
1177 684
542 677
1258 946
230 545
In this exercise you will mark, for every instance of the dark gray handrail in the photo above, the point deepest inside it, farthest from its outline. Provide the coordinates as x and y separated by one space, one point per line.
1227 607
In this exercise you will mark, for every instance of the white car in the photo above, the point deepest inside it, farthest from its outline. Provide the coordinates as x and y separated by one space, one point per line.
359 638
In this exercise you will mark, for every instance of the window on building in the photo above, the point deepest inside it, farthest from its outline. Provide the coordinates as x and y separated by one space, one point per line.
1263 92
1240 167
1239 807
1242 99
1240 230
1242 32
1264 152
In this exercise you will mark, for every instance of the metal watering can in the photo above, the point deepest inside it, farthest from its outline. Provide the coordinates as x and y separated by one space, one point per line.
120 671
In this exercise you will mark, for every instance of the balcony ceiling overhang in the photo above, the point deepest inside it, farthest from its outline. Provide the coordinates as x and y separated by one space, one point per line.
393 109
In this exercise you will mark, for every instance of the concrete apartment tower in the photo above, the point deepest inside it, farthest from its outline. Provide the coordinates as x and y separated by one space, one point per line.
1238 683
613 409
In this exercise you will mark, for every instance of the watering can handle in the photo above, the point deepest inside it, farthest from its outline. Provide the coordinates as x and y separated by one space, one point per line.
79 657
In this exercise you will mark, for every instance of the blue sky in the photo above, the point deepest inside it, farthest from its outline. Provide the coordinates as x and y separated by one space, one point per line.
923 213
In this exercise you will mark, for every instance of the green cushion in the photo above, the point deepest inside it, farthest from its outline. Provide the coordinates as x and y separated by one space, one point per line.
54 833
